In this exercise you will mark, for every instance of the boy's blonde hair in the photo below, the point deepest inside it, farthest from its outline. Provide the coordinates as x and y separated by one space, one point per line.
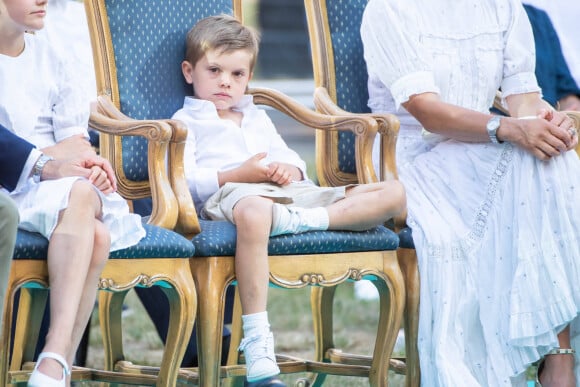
223 33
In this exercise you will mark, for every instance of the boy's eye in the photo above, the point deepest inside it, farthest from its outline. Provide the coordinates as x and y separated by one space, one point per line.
213 69
239 74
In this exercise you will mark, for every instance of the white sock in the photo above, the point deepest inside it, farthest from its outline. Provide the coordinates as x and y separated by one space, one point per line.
255 324
293 220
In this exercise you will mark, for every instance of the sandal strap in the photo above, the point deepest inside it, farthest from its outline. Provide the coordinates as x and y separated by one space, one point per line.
54 356
561 351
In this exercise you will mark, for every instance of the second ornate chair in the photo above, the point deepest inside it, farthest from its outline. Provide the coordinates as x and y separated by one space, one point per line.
340 73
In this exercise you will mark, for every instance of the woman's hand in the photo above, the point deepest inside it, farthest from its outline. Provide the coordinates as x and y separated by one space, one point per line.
548 135
70 147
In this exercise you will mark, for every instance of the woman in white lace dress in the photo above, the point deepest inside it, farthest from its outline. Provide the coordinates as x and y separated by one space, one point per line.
493 202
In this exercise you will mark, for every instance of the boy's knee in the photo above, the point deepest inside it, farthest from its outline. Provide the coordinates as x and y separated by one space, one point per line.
250 211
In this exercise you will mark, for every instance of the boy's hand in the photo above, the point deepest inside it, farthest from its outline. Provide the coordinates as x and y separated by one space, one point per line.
283 174
252 170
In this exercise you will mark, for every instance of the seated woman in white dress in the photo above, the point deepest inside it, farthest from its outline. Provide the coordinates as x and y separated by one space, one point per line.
492 202
83 219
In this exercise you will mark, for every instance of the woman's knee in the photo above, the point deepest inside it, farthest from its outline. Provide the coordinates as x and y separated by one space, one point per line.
101 245
83 193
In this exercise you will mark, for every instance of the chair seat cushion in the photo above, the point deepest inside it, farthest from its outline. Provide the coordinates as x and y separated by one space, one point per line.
218 238
406 238
158 243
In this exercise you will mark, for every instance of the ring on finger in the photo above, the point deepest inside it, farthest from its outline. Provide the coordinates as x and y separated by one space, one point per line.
573 131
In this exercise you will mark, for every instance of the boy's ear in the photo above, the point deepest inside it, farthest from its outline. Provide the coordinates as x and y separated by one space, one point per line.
187 69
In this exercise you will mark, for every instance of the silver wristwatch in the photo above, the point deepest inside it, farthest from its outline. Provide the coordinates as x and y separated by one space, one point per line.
39 166
492 127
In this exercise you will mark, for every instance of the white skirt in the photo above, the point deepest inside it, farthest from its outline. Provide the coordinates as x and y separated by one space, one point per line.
39 205
497 234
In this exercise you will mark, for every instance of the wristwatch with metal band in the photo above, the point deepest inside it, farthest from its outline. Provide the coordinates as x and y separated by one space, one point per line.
492 127
39 166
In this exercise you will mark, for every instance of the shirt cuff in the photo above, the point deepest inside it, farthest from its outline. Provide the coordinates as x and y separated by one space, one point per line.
415 83
28 166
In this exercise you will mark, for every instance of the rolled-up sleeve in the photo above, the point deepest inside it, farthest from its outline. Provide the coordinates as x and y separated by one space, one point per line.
519 53
391 50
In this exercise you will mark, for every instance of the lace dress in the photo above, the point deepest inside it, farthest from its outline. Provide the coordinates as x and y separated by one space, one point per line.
496 230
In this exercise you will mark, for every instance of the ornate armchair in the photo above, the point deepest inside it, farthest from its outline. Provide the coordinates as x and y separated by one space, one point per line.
139 76
341 77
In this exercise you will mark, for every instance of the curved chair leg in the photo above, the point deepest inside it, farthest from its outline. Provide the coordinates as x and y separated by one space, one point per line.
31 307
235 340
322 304
182 306
408 263
391 304
212 276
110 308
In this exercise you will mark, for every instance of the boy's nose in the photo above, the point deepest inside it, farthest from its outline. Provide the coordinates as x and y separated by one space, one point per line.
225 80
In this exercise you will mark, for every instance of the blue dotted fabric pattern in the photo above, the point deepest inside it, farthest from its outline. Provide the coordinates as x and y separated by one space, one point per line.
158 243
218 238
344 18
149 44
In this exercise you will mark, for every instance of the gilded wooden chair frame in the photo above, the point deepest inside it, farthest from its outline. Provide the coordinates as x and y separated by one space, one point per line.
118 277
326 101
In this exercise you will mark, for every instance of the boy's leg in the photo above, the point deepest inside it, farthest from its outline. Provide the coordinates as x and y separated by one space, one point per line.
253 219
365 206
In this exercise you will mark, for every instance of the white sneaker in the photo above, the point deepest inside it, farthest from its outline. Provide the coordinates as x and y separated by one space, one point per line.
260 357
294 220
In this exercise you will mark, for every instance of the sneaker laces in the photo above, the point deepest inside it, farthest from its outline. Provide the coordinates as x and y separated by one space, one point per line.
257 348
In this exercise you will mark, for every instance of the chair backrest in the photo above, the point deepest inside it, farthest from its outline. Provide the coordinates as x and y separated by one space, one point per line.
140 68
339 66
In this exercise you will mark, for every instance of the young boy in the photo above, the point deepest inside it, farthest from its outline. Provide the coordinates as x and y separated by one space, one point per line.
238 168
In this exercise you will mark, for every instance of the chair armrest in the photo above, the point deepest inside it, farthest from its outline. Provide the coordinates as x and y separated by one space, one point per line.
388 128
365 128
166 139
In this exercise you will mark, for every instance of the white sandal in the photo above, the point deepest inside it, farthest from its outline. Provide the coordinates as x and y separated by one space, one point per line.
38 379
555 351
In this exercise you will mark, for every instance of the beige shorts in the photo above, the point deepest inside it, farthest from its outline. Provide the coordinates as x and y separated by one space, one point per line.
300 194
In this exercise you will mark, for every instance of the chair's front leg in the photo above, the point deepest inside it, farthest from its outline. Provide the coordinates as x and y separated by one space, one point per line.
110 309
183 306
322 304
408 263
212 276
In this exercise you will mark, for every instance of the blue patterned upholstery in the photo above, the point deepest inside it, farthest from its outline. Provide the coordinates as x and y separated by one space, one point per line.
344 19
219 239
158 243
148 62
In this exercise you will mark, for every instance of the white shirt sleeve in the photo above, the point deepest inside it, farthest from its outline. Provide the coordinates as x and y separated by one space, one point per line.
518 69
27 169
391 52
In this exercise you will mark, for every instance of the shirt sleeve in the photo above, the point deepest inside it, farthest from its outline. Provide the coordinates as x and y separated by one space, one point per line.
202 181
278 149
519 55
391 49
71 108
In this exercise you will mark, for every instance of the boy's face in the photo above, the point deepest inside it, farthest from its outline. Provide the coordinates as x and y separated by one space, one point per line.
23 15
220 77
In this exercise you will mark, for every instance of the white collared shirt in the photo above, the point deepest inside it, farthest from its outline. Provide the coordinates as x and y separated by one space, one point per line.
214 144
